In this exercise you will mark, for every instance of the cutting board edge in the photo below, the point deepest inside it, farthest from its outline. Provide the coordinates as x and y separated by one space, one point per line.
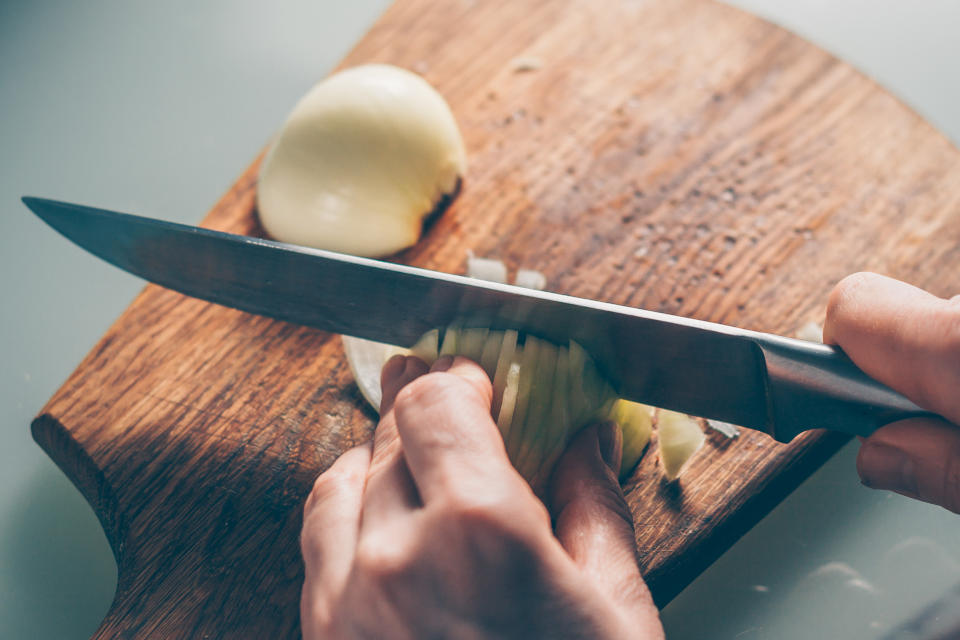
699 557
57 442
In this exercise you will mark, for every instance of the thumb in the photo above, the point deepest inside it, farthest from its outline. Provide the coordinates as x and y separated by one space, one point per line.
593 522
919 458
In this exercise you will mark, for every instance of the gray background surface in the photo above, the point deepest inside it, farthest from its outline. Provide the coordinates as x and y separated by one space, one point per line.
157 107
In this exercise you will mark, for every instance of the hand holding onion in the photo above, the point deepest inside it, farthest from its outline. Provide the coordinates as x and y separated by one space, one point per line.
430 532
909 340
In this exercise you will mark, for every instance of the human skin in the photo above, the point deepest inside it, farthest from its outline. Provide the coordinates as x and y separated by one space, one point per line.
429 532
908 339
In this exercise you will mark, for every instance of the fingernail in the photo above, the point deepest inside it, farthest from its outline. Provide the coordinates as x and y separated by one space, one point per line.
609 449
885 467
443 364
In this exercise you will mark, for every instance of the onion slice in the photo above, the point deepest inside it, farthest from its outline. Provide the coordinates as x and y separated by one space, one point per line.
486 269
366 359
636 422
679 437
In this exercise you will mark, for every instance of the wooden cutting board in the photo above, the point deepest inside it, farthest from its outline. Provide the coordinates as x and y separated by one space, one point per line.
676 155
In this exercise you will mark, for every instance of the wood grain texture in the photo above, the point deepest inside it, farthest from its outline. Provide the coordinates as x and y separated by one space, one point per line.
676 155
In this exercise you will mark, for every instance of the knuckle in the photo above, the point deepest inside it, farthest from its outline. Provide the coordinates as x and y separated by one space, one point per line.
474 375
844 291
424 388
334 481
383 561
494 515
474 511
434 388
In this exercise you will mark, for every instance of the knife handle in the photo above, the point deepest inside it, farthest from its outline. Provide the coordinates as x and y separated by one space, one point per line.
815 386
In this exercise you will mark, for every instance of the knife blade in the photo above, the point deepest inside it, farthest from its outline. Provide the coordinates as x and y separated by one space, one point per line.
756 380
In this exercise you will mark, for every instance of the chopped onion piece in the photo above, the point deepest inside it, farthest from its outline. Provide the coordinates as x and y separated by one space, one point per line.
531 351
427 347
553 437
509 402
636 423
490 355
727 429
812 332
679 437
450 342
486 269
472 341
508 351
530 279
366 359
535 425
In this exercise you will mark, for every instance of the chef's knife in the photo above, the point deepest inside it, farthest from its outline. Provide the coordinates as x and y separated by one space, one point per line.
761 381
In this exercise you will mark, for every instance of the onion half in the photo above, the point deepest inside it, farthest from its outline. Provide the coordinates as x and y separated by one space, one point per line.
363 158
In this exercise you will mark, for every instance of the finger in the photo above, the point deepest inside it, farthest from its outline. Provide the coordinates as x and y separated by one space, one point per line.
390 490
331 521
593 523
902 336
397 373
391 494
919 458
451 444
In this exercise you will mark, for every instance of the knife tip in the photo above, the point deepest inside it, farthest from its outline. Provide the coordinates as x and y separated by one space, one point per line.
33 203
44 208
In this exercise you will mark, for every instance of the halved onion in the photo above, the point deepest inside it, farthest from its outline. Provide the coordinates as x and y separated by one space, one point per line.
363 158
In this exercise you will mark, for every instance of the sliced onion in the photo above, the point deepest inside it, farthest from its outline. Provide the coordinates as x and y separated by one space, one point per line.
535 424
530 279
636 423
505 359
451 341
366 359
727 429
553 437
511 387
472 342
486 269
812 332
531 351
543 393
427 347
490 355
679 436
